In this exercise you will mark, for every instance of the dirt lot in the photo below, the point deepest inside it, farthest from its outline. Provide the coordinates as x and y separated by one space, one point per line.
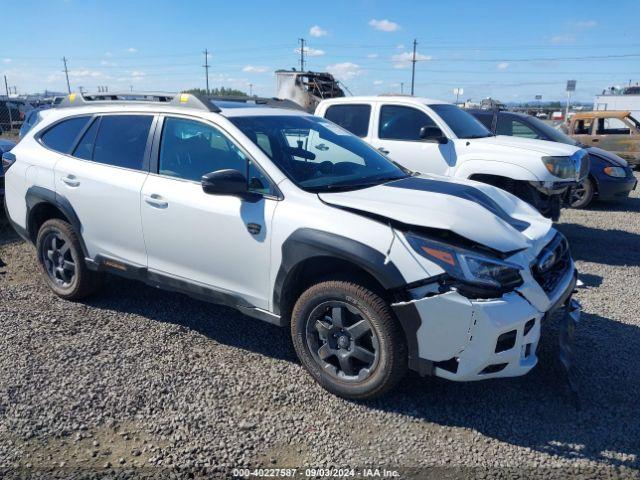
138 382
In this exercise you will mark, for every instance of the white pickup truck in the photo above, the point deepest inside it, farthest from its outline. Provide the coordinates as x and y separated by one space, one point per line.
430 136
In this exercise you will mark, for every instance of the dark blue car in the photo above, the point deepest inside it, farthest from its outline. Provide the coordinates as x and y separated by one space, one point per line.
5 146
609 177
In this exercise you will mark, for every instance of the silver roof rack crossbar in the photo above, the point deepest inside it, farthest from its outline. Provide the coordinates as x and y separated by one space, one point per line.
262 101
187 100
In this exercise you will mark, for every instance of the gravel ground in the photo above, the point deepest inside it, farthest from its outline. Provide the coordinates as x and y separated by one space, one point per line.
138 382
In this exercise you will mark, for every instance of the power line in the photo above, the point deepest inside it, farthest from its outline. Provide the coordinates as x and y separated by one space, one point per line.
539 59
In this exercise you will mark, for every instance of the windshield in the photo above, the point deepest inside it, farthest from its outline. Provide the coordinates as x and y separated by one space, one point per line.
553 134
316 154
463 124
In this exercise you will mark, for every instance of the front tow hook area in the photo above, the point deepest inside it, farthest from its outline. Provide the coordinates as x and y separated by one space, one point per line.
570 321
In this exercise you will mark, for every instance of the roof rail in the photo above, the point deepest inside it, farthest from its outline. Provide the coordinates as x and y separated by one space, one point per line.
266 101
187 100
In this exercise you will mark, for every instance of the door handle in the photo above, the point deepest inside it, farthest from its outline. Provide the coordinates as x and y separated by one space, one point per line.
383 150
71 180
254 228
156 200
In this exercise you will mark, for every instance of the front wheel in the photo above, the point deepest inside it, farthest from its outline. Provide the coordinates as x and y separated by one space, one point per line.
348 340
582 195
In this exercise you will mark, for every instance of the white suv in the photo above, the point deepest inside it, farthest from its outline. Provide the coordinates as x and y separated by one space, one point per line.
431 136
293 220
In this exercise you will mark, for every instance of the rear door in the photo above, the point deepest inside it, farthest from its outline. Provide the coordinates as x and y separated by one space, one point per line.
102 179
398 136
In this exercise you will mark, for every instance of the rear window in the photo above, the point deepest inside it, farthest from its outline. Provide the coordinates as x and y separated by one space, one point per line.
121 140
354 118
63 135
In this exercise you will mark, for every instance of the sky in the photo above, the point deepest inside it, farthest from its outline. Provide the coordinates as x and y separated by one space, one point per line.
508 50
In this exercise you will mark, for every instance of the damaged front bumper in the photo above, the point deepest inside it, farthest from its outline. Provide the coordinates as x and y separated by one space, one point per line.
463 339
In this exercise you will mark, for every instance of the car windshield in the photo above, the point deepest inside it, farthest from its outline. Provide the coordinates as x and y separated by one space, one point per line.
463 124
318 155
551 133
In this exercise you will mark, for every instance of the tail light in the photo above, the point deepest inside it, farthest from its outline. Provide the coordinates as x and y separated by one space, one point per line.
8 159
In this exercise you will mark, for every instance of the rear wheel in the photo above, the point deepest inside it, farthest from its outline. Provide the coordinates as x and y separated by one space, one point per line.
347 339
582 195
62 262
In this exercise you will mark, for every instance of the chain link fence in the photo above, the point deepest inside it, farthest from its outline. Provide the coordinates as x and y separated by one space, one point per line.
12 114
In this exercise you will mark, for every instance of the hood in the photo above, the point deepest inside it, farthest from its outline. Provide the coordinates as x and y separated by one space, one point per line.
608 156
476 211
543 147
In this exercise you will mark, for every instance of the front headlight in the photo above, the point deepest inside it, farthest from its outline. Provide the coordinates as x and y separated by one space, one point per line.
617 172
561 167
466 266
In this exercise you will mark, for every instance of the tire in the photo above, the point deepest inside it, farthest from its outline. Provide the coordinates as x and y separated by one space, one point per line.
347 357
582 195
62 262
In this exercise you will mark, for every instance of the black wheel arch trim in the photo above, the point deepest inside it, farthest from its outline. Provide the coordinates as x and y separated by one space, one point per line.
306 243
37 195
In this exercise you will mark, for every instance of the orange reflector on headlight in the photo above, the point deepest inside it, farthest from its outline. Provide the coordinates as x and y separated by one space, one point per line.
446 257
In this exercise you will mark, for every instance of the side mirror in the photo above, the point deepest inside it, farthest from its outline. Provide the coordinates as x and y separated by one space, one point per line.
433 134
225 182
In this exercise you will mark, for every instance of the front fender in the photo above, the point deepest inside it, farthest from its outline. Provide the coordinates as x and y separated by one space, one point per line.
501 169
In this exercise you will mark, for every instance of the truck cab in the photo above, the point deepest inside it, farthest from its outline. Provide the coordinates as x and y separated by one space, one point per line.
615 131
431 136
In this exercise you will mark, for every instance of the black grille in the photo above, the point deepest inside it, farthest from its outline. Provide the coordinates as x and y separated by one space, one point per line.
549 275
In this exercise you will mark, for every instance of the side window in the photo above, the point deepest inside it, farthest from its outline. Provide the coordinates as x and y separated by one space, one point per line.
191 149
262 140
85 146
515 128
62 136
582 127
121 140
258 182
612 126
402 123
354 118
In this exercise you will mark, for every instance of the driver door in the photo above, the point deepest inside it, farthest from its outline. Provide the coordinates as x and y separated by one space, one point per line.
398 137
217 241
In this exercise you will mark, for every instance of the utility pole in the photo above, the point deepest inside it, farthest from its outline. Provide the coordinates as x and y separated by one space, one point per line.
6 86
413 66
251 89
301 54
66 73
206 67
401 88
